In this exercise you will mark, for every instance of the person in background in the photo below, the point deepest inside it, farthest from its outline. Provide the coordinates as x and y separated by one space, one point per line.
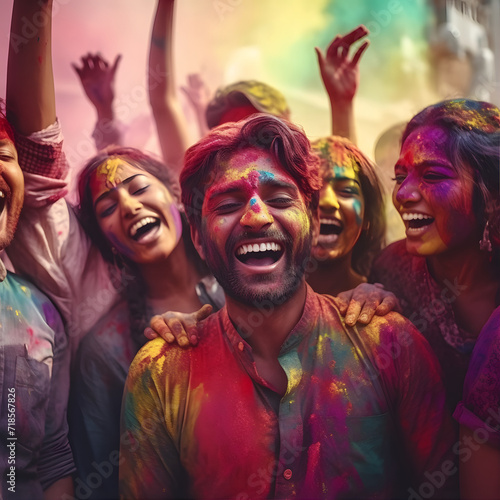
351 211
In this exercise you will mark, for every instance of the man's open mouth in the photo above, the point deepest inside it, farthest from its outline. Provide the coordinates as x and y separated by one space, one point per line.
259 254
143 227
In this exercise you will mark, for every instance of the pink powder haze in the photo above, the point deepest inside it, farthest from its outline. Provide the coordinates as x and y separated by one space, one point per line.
225 41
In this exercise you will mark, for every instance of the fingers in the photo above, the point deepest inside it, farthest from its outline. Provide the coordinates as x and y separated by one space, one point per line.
202 313
343 300
340 46
352 313
388 304
159 325
359 53
320 56
77 69
149 333
368 310
355 35
118 58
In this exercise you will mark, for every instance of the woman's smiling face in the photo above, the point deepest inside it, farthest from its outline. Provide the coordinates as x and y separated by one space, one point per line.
135 211
341 211
433 196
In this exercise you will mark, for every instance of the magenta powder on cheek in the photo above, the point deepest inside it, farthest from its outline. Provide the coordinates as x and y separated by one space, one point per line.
177 219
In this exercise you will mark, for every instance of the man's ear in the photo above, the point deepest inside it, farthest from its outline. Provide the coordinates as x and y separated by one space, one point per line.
196 237
315 227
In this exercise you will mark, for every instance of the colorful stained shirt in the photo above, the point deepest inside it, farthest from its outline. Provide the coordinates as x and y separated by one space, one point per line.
480 408
34 384
358 418
430 308
98 379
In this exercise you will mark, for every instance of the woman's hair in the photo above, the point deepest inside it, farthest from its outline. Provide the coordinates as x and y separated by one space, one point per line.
338 151
125 273
472 143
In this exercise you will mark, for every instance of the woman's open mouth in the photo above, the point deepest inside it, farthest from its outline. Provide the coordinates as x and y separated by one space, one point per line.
416 222
144 229
329 230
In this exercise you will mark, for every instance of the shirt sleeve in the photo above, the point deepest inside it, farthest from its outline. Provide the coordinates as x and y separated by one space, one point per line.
150 465
42 153
420 410
480 408
56 458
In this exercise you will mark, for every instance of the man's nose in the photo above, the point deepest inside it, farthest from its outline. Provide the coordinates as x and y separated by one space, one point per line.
256 215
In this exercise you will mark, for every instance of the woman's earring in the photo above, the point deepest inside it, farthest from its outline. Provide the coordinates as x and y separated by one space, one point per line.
485 243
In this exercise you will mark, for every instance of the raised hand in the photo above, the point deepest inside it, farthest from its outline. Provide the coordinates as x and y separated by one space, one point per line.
98 79
340 74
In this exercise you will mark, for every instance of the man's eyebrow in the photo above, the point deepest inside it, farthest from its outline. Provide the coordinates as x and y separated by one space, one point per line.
241 185
107 193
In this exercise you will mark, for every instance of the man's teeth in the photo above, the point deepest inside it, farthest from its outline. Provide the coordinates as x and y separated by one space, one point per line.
2 195
140 223
416 217
256 247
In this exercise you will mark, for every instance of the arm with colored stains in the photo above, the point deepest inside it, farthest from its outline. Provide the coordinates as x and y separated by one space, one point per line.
167 112
97 77
151 422
340 77
420 412
198 95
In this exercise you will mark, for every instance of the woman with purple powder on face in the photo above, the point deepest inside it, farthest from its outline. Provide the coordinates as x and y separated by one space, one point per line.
446 271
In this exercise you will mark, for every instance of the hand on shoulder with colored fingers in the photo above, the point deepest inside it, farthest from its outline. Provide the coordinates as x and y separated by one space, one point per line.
360 304
177 327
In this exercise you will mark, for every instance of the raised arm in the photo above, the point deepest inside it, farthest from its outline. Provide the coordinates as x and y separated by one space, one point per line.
340 77
97 77
167 112
30 84
198 95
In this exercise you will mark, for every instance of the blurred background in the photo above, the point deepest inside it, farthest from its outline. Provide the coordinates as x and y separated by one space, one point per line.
421 51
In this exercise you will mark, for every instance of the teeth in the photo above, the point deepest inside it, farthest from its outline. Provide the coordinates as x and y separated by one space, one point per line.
2 195
332 222
140 223
416 216
263 247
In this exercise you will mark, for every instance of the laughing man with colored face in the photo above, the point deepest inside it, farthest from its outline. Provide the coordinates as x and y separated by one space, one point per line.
280 399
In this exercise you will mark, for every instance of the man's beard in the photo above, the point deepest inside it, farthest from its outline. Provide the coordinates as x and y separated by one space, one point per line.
240 289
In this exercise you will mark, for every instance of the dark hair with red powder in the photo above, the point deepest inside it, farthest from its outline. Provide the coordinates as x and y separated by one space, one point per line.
5 128
286 143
